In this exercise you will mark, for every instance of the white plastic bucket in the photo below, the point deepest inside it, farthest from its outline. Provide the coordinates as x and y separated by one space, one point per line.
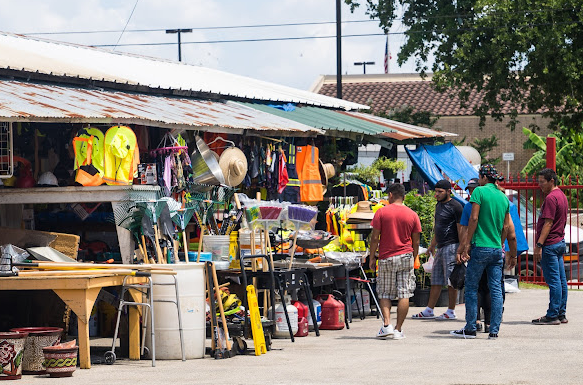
218 246
245 242
192 306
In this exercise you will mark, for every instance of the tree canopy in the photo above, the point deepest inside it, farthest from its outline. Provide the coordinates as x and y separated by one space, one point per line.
527 52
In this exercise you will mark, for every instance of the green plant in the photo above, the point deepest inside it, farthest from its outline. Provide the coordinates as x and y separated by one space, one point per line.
569 144
424 206
484 146
370 174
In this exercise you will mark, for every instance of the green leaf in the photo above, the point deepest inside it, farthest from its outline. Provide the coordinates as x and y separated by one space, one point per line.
534 140
536 163
18 358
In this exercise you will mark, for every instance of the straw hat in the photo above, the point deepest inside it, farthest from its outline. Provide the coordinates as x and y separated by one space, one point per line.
326 172
233 163
363 212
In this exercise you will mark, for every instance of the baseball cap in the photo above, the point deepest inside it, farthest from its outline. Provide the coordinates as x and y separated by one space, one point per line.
489 170
473 183
444 184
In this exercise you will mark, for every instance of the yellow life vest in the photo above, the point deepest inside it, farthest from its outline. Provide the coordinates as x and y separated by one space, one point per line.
88 148
121 156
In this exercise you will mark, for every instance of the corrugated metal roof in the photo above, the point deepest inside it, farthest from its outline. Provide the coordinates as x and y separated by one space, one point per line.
325 119
402 131
65 59
20 101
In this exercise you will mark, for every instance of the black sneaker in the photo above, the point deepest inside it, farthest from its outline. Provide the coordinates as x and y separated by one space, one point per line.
544 320
463 333
493 336
563 319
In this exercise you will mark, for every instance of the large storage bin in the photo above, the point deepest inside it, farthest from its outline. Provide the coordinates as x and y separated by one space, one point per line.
192 306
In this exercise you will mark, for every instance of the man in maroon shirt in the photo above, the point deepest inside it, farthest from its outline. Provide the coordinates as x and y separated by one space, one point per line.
396 231
550 247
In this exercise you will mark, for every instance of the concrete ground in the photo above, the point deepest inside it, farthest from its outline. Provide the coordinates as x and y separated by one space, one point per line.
523 354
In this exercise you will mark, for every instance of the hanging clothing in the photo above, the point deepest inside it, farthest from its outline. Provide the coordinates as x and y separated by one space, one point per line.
283 175
308 166
291 193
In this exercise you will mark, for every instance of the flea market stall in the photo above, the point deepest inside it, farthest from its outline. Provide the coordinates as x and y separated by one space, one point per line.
186 211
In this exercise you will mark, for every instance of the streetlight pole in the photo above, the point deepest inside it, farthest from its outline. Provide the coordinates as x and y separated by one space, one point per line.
338 51
179 32
364 64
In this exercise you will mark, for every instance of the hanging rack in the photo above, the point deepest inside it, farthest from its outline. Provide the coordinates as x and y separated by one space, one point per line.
223 139
168 144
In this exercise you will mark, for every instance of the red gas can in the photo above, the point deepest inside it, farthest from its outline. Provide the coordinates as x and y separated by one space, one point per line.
332 312
302 327
303 310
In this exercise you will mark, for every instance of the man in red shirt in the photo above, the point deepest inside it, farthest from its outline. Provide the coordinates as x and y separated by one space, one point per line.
395 234
550 247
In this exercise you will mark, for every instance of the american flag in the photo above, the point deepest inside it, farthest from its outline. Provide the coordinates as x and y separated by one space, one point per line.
387 56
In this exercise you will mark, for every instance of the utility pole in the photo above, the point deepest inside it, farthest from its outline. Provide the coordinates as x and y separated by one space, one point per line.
364 64
338 51
179 32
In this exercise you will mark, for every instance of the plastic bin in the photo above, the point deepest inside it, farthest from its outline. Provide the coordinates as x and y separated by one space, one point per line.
192 255
192 307
218 246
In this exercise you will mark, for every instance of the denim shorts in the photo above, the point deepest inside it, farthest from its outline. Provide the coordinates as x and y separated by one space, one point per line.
443 264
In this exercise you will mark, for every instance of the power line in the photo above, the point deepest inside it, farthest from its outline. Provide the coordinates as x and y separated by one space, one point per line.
127 22
334 36
198 28
461 16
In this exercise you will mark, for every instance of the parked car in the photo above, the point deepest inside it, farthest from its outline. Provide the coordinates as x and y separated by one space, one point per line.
573 239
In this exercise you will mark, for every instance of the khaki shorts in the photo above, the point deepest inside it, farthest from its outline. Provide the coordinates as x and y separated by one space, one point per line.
396 278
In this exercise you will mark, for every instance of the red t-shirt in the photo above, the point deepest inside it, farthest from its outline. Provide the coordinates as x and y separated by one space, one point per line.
555 207
396 223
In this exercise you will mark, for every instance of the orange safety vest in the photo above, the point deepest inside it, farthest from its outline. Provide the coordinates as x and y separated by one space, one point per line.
307 163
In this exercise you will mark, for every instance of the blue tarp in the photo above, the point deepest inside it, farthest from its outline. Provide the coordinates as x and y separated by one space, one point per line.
434 161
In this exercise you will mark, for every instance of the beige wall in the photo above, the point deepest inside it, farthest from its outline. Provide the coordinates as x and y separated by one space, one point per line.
508 141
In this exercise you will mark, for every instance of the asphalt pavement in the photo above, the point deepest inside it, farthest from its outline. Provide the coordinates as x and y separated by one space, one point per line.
523 354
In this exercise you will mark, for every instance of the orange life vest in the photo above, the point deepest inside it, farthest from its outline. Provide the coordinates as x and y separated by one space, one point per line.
307 162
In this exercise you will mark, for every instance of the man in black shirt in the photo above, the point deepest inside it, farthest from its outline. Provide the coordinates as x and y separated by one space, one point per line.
448 213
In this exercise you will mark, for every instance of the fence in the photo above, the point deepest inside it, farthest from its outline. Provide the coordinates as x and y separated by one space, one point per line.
527 196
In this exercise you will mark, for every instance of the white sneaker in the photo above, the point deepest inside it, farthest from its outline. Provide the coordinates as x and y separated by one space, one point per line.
385 331
398 335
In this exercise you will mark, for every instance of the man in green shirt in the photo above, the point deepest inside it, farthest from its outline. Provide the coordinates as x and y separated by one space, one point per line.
487 228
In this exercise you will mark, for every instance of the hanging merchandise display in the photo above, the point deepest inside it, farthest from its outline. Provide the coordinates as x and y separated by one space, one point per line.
309 173
291 192
205 168
327 171
89 150
233 164
121 156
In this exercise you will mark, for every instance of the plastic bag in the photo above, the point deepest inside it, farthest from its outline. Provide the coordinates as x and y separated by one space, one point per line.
428 266
457 278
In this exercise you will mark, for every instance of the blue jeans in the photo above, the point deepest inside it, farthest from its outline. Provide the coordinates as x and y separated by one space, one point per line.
491 260
554 274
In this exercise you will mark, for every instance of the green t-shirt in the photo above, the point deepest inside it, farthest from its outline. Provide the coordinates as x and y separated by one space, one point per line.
493 208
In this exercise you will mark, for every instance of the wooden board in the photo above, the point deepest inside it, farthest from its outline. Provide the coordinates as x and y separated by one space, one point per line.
67 244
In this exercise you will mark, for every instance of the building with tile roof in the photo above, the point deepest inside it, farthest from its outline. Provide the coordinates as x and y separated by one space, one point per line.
386 92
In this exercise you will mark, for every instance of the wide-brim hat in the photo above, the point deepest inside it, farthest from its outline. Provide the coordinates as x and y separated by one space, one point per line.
233 163
363 212
327 171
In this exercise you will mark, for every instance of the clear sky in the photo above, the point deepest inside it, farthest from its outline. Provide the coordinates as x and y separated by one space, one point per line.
296 63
